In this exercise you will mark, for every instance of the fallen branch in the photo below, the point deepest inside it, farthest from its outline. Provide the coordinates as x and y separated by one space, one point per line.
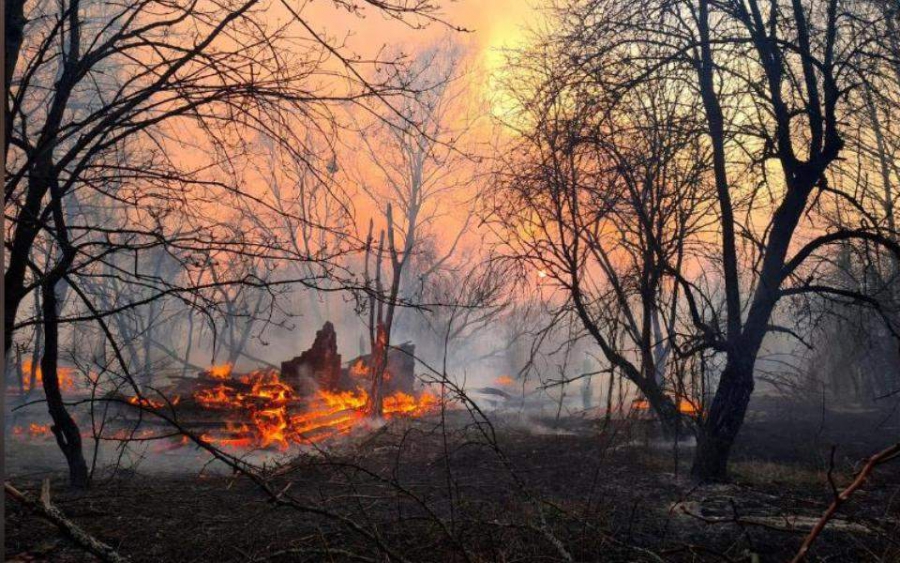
881 457
46 510
787 523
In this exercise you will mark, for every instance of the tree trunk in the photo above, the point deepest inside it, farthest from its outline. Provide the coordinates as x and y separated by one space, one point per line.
14 30
720 428
64 428
20 375
379 365
665 408
609 398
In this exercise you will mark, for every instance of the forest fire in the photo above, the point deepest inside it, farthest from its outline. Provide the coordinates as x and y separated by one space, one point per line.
260 410
33 430
151 403
312 398
685 406
65 375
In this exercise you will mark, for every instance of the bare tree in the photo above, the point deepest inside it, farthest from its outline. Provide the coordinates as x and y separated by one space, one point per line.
419 162
601 198
777 82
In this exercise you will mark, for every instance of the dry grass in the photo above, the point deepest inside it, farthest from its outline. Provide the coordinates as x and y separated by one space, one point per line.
759 472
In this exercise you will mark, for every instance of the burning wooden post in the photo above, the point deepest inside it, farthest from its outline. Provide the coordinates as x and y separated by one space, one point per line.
378 365
381 321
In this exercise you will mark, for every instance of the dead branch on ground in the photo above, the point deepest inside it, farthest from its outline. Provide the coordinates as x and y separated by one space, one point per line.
47 511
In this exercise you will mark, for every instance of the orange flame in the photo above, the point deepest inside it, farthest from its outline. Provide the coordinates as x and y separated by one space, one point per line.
345 399
65 376
151 403
402 404
268 386
359 369
278 418
219 372
685 406
33 431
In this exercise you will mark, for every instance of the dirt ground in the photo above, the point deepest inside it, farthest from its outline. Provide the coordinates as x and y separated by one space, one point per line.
545 490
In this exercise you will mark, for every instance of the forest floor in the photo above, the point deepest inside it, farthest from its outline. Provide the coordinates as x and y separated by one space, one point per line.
549 491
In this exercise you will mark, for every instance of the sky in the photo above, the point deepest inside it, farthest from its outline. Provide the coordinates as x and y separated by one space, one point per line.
491 25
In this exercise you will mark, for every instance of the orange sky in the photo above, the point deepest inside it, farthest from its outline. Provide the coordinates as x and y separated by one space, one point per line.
493 24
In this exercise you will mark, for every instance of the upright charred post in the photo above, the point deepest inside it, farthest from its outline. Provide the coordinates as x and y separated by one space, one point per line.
320 364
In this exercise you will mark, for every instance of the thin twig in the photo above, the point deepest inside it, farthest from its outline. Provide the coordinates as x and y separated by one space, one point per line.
883 456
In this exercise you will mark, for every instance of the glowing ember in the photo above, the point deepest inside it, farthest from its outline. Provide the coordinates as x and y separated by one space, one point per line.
219 396
272 426
152 404
124 434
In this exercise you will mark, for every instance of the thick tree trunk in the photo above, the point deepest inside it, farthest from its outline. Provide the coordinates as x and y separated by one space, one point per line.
64 428
711 458
665 408
720 428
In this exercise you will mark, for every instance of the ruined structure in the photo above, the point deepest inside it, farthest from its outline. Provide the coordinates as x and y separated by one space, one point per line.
318 367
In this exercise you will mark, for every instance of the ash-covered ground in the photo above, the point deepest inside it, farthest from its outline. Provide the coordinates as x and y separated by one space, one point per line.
520 489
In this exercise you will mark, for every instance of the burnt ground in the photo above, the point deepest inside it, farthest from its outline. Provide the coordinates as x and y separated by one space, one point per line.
549 491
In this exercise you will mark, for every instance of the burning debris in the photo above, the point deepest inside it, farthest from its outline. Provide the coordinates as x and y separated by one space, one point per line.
260 410
320 368
33 430
310 400
399 375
